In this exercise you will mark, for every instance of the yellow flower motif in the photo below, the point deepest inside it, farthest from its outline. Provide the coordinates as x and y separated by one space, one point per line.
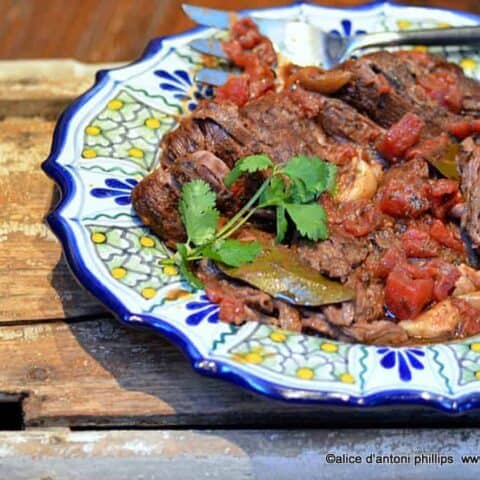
329 347
136 152
468 63
404 24
115 104
98 237
119 272
253 357
277 336
147 242
170 270
477 374
148 293
443 25
177 294
420 48
89 153
475 347
256 355
152 123
305 373
93 130
347 378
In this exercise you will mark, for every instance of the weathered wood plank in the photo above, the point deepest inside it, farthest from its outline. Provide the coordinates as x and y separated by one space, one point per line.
42 87
98 373
271 454
118 29
34 280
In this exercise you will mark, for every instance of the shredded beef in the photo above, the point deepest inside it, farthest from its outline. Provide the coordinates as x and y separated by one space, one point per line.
340 315
288 317
379 332
400 113
336 257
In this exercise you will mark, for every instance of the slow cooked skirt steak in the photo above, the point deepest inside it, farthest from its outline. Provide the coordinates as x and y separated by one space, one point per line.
404 219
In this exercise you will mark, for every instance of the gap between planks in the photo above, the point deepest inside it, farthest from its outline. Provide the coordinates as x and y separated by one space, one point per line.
98 374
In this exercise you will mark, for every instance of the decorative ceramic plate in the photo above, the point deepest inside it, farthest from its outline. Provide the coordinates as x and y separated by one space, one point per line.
108 140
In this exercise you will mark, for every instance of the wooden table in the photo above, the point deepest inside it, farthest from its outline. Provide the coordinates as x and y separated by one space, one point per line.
115 30
83 397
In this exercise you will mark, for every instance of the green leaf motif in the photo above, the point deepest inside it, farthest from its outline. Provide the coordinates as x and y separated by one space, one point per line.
250 164
198 212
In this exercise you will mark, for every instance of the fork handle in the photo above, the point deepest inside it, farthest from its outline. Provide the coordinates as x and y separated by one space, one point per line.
435 36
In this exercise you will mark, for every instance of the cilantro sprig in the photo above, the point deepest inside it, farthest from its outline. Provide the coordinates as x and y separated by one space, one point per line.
290 188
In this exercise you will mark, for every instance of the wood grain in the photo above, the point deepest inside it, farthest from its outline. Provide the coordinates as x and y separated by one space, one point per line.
98 374
35 283
95 373
112 30
245 455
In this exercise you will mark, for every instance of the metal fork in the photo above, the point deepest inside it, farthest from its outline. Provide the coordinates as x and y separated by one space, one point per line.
309 45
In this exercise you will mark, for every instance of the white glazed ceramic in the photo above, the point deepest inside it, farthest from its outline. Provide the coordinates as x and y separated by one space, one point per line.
108 140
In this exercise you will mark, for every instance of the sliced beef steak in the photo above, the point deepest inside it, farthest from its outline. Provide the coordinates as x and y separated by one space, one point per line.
471 189
155 200
156 197
207 144
385 86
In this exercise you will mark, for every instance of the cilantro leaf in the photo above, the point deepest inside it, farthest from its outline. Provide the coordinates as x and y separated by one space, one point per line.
310 220
232 252
185 268
252 163
275 194
198 212
299 192
282 224
307 178
331 171
316 175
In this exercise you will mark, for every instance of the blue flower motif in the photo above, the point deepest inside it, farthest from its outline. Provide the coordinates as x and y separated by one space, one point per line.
184 89
120 190
203 309
405 358
347 29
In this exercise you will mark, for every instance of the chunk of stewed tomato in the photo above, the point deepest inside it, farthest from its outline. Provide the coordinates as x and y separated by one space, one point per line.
403 199
418 243
406 296
442 234
400 137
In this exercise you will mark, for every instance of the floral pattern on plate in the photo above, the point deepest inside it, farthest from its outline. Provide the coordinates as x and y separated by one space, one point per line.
109 139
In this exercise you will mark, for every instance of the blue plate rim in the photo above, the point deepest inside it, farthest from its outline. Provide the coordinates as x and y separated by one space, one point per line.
202 364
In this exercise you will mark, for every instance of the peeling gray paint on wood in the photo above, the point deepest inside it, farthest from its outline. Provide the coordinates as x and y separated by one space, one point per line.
222 454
